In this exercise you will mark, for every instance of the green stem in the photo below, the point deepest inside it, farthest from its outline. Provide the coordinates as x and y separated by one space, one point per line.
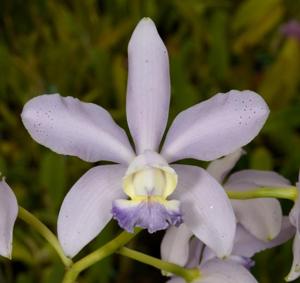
44 231
290 193
98 255
188 274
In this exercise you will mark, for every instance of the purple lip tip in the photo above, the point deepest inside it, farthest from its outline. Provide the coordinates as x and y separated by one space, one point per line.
152 216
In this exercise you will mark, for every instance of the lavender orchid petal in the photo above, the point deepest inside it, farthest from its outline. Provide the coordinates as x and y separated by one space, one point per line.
262 217
247 245
206 209
175 244
71 127
8 215
295 270
216 127
86 208
221 167
224 271
295 211
295 221
148 88
258 178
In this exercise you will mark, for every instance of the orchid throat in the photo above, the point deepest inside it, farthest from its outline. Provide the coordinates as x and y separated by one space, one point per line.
148 182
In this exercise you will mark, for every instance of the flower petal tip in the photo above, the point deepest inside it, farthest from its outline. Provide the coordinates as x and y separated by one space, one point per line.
8 215
144 24
144 35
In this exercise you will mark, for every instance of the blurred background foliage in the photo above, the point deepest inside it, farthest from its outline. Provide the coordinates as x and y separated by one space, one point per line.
78 48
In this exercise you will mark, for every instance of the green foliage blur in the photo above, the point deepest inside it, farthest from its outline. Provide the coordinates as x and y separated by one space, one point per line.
79 48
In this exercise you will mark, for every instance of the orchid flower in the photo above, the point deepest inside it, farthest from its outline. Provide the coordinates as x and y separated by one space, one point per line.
262 216
144 189
180 249
8 216
294 218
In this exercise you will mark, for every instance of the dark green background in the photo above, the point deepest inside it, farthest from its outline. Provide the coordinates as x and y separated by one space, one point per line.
78 48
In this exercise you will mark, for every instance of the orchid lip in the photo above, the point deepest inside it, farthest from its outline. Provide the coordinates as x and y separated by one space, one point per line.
148 182
150 215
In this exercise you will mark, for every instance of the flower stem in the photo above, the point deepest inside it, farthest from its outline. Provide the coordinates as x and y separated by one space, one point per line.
98 255
188 274
290 193
44 231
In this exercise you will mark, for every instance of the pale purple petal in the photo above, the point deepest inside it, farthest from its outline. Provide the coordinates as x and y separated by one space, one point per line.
295 211
175 244
258 178
246 262
8 215
148 87
216 127
262 216
226 271
150 215
295 220
295 270
221 167
71 127
247 245
86 209
206 209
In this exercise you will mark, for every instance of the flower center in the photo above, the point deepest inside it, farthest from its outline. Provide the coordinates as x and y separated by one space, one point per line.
148 182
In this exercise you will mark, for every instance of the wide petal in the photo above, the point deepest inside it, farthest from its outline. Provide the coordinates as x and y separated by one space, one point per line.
247 245
295 220
221 167
216 127
226 271
175 244
263 216
86 209
295 270
8 215
258 178
71 127
206 209
148 87
295 211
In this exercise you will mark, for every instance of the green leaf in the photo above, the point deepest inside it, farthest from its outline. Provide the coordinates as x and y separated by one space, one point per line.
261 159
53 178
253 20
282 79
